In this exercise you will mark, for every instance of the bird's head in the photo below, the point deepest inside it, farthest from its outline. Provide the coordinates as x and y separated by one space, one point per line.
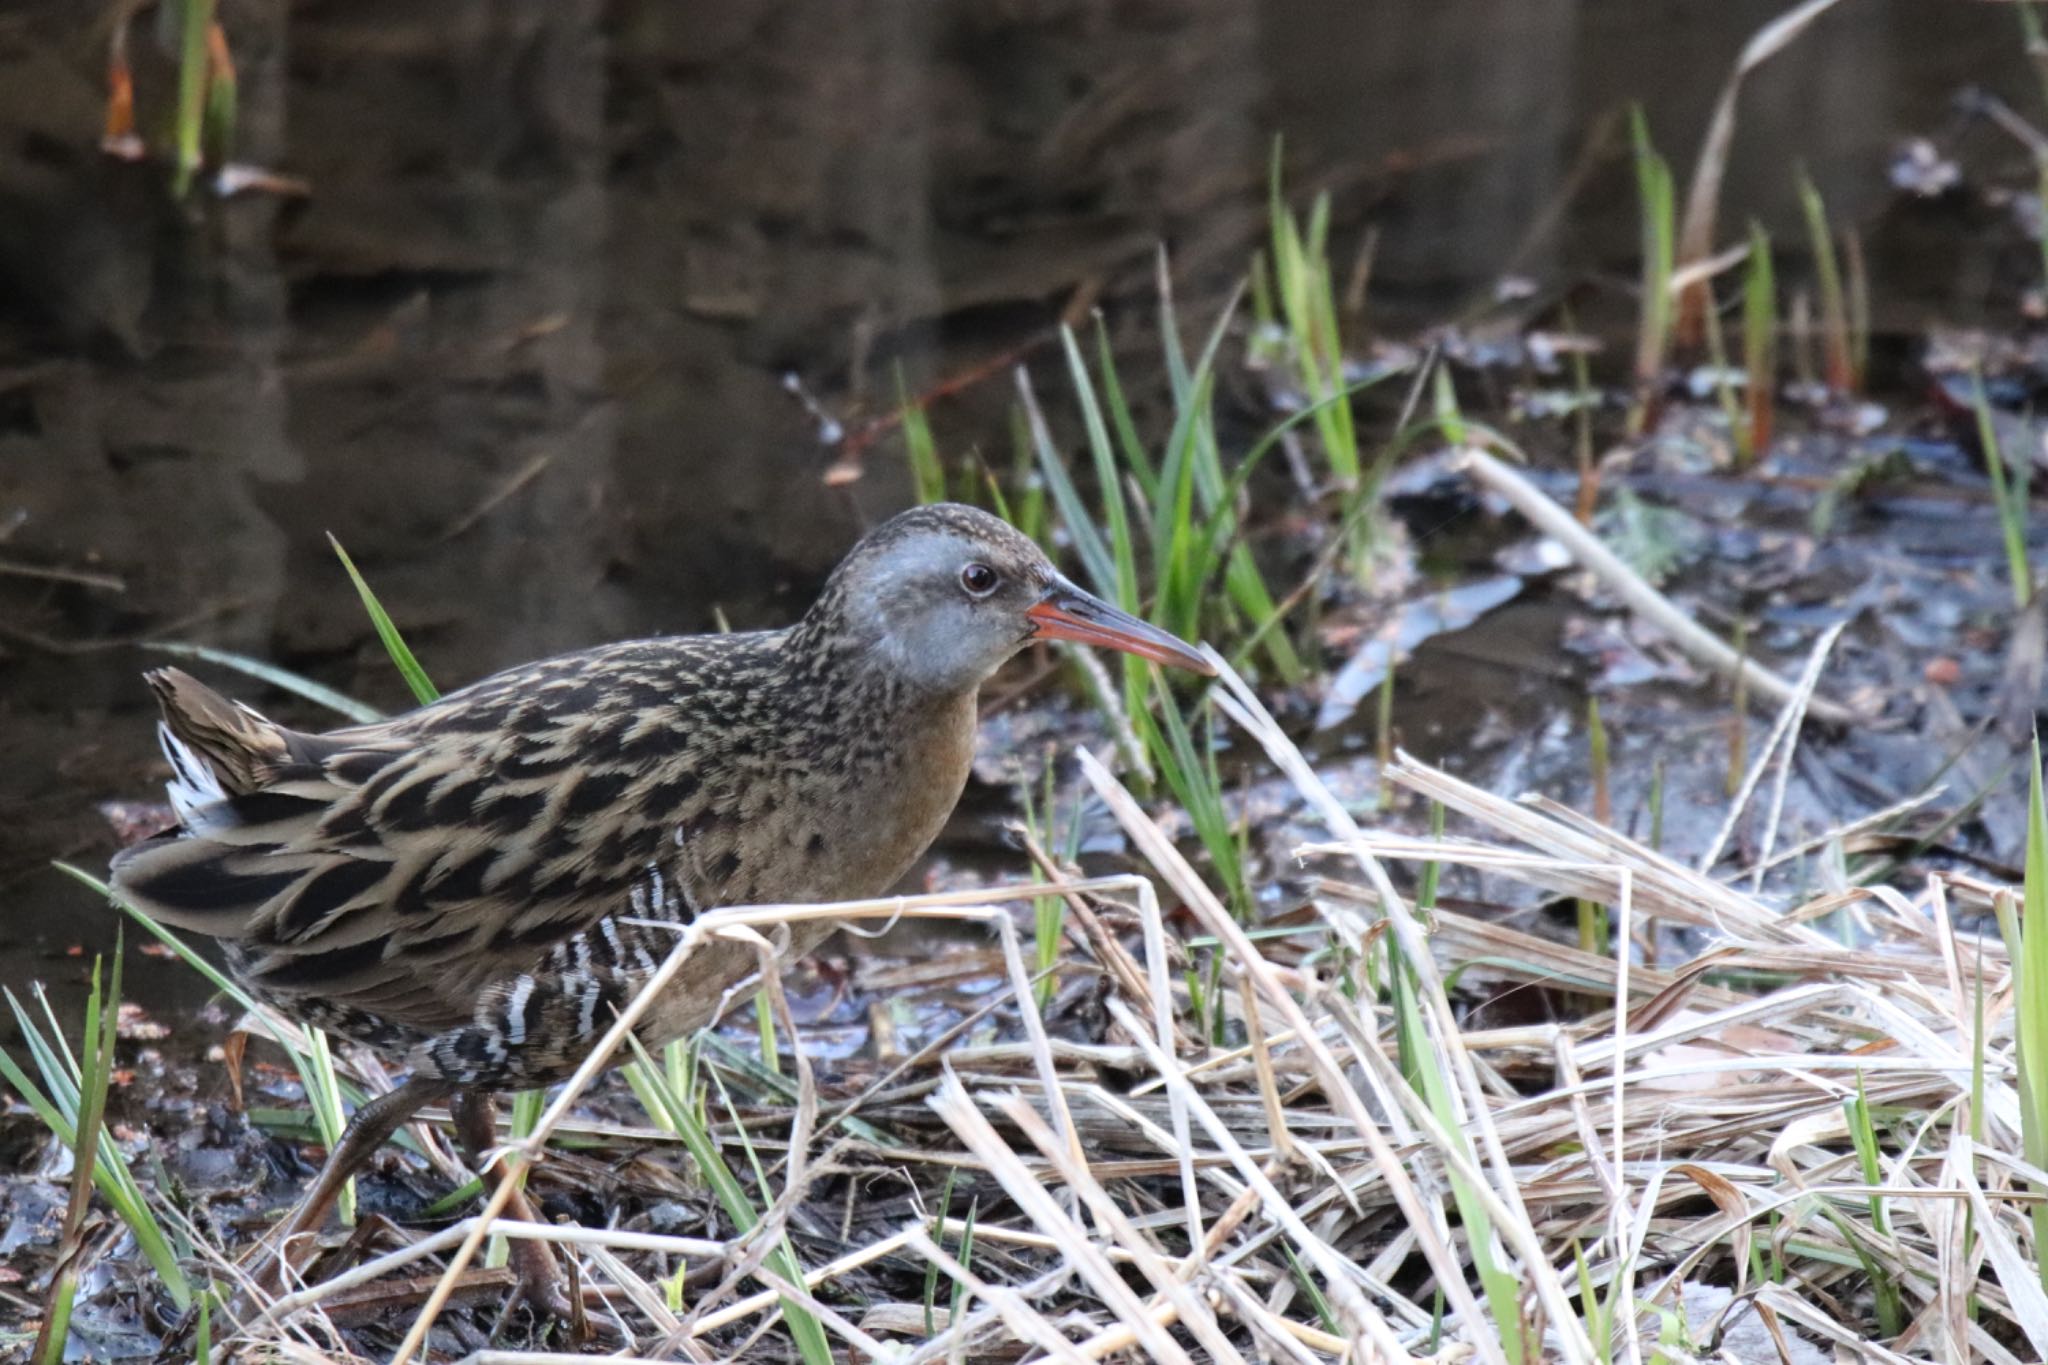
944 595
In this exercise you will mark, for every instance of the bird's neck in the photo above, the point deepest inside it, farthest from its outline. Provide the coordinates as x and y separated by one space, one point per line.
899 754
836 653
858 682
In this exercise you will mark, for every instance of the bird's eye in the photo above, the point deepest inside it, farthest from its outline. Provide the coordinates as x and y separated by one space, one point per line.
979 580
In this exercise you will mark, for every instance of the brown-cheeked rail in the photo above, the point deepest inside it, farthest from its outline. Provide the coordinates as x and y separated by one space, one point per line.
455 886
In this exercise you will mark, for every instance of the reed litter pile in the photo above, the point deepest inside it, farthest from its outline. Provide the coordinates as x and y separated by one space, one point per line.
1804 1139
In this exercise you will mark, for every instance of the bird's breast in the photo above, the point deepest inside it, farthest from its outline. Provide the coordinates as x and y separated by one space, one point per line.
844 823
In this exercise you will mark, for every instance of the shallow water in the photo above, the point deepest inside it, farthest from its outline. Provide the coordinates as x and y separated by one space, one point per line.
523 348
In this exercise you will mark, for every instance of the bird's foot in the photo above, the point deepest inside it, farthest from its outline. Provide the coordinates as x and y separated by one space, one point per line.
542 1286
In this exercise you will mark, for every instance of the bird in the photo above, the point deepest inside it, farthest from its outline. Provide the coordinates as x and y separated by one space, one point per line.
475 887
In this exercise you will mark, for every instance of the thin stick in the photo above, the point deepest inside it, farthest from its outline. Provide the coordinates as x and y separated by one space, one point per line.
1166 1279
1807 681
1169 1038
953 1104
1787 723
1627 584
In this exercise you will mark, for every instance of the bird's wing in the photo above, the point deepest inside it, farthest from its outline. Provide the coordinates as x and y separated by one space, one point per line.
393 866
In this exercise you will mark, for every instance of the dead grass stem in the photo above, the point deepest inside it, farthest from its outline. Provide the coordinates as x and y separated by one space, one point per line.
1291 1198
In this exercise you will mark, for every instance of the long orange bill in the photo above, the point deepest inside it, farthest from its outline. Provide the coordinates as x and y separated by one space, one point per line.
1071 613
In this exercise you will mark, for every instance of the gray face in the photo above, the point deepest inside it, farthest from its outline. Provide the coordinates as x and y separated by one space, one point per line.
941 595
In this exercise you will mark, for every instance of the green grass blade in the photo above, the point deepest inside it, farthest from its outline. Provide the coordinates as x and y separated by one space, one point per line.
96 1064
764 1023
1136 458
1841 366
227 985
307 1047
1192 399
193 18
1657 207
323 1093
56 1328
1759 346
423 690
1421 1064
1193 778
1309 311
526 1111
223 100
1174 536
966 1258
59 1102
1096 561
2008 493
1028 514
1319 1301
927 474
1863 1137
811 1342
1115 511
676 1113
931 1270
2030 1001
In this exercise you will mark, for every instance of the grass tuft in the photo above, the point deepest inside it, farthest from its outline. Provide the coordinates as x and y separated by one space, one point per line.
1308 311
1656 204
69 1094
1759 349
2009 492
1839 349
683 1113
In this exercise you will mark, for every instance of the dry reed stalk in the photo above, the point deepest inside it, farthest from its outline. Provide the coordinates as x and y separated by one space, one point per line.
1159 996
1160 852
961 1114
1169 1281
1784 731
1594 556
1243 706
1703 196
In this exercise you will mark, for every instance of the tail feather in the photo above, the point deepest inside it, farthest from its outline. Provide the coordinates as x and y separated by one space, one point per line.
209 737
194 785
218 873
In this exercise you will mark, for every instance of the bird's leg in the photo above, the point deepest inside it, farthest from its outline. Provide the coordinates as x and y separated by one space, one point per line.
370 1127
540 1277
